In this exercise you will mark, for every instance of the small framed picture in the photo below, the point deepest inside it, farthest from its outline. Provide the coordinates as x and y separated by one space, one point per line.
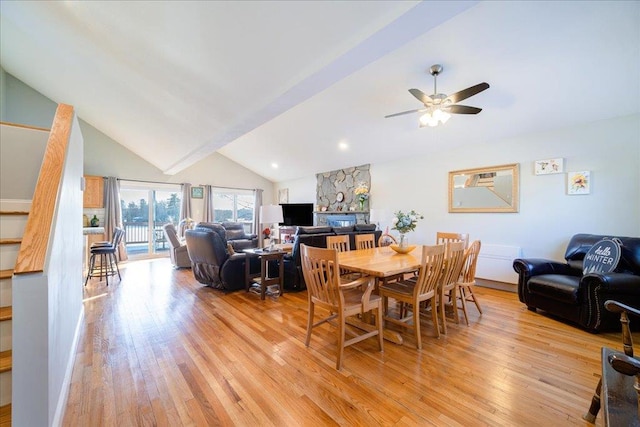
578 183
197 192
283 195
545 167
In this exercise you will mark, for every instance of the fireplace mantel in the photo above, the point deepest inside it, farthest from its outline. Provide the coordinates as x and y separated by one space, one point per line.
320 217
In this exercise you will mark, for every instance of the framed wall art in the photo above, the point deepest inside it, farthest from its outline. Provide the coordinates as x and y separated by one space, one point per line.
549 166
197 192
283 195
578 183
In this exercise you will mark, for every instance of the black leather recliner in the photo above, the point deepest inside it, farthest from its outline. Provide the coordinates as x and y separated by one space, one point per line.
211 262
562 290
235 235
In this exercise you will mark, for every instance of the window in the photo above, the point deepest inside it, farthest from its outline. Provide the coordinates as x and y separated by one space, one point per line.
235 206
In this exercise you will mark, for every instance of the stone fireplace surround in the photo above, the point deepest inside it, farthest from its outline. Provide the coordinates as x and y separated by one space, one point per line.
329 184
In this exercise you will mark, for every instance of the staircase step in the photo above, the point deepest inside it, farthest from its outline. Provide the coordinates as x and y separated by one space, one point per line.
5 416
14 212
5 361
11 241
6 274
6 313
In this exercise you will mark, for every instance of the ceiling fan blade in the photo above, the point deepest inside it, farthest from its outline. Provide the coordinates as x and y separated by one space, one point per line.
405 112
463 109
422 97
466 93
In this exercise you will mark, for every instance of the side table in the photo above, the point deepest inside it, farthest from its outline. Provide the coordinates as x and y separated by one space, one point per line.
263 279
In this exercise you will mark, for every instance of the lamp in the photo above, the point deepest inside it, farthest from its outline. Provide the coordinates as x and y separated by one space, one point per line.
270 214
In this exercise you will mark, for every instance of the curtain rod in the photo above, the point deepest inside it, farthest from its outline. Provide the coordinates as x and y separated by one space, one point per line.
146 182
180 183
230 188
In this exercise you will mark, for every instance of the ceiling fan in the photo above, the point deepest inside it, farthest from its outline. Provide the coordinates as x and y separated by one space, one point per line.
439 107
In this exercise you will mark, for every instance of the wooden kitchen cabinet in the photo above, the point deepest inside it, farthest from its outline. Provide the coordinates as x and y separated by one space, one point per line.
93 191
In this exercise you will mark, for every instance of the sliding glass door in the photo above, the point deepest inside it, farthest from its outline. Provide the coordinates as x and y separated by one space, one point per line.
146 208
234 206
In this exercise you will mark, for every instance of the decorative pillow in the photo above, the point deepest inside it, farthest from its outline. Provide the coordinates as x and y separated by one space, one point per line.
343 230
603 257
234 234
314 230
365 227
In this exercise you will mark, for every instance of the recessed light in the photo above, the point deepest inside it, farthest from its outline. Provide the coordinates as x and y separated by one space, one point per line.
274 165
343 146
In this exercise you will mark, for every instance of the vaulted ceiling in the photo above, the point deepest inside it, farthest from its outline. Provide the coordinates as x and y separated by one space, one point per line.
288 82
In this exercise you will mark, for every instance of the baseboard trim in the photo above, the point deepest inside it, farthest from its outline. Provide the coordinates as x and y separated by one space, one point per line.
501 286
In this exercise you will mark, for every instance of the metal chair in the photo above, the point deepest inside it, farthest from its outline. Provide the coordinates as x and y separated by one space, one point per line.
108 260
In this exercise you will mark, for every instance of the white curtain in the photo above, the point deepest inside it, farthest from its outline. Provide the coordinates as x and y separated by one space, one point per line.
209 213
256 216
113 213
185 209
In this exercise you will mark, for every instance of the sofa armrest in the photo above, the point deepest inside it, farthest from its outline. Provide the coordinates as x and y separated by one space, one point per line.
537 266
598 288
530 267
623 283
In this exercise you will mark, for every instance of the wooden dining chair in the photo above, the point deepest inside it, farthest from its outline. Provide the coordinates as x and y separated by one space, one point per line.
339 242
444 238
365 241
467 281
415 292
454 257
320 268
386 240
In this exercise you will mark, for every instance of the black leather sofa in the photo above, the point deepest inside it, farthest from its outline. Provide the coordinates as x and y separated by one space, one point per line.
211 262
562 290
317 236
239 240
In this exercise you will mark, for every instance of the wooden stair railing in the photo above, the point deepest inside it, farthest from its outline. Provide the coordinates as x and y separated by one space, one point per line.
35 240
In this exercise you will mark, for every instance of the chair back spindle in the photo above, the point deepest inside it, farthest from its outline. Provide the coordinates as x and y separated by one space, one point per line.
365 241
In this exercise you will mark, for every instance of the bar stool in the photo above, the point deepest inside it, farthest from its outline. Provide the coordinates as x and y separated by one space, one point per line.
108 260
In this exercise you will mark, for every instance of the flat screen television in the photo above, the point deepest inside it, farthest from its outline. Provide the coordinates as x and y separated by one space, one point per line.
297 213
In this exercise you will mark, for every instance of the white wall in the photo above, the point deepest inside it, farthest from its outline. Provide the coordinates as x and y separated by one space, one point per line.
21 153
548 217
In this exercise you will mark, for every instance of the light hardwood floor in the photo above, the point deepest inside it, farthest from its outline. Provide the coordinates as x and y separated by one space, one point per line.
160 349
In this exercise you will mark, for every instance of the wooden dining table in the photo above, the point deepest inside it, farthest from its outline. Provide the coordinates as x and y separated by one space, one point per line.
380 263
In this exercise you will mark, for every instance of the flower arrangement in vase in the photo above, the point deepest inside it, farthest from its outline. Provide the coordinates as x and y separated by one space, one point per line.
266 233
404 223
362 194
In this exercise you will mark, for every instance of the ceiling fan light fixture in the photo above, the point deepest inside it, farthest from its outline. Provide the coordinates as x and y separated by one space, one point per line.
433 118
439 107
441 116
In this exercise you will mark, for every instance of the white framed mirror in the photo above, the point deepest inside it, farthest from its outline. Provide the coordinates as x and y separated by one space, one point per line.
488 189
